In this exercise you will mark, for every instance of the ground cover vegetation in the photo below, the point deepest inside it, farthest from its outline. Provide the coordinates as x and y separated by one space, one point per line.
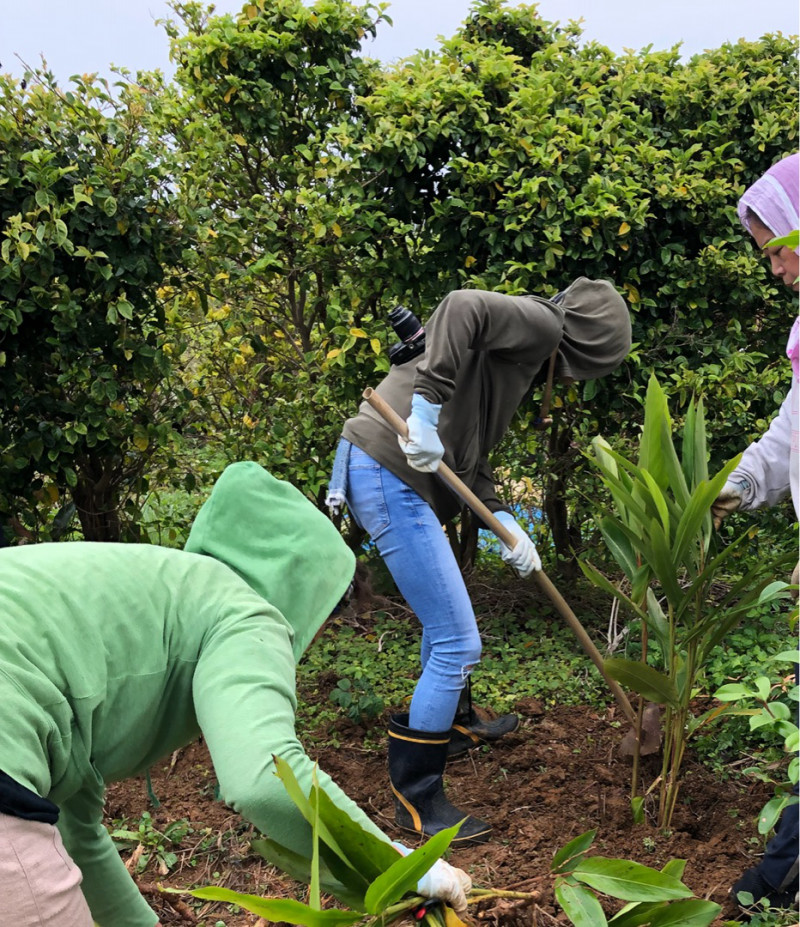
199 271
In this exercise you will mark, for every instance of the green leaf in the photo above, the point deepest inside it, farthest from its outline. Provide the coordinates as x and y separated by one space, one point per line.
403 875
367 855
298 867
788 656
692 912
770 813
637 809
630 881
284 772
279 909
733 691
674 868
636 914
641 678
579 904
572 852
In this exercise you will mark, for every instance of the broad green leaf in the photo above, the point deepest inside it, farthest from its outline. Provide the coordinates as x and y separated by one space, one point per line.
285 773
691 912
636 914
619 545
674 868
657 621
637 809
630 881
313 885
402 876
656 413
789 656
299 868
579 904
659 501
574 850
768 817
644 679
367 854
279 909
676 481
733 691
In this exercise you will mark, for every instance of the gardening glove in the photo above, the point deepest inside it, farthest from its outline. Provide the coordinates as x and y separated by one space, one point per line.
422 448
728 500
524 556
448 884
443 882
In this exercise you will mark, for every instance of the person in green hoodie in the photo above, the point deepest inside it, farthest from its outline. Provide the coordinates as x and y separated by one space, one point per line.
113 655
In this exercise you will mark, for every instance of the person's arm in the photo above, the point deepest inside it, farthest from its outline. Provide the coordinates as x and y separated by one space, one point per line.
244 695
110 892
763 471
516 327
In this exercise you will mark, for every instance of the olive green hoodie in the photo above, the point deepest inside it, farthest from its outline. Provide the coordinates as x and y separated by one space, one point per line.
113 655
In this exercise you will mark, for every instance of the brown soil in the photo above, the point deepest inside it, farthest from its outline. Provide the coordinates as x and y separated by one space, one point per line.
558 775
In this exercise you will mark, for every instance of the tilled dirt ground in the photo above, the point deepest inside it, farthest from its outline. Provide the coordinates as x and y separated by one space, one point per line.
558 775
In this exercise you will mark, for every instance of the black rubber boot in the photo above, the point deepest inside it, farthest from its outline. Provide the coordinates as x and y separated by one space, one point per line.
416 765
469 730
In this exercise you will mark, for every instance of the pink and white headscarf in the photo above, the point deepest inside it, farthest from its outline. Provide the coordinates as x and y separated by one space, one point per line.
775 199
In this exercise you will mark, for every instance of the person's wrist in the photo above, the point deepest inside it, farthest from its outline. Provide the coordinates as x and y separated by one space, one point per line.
425 410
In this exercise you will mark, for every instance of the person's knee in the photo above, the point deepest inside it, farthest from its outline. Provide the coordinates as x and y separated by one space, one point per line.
470 655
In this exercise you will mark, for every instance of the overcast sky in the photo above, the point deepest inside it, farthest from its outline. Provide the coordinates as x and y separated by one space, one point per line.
81 36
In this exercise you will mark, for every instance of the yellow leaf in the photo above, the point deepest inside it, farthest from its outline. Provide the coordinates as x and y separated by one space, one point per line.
451 919
633 293
358 333
375 345
251 11
128 354
229 94
197 72
319 229
223 60
624 229
470 261
52 492
141 442
222 275
334 352
240 140
336 229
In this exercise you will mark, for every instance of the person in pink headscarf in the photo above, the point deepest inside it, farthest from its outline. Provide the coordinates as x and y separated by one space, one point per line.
768 472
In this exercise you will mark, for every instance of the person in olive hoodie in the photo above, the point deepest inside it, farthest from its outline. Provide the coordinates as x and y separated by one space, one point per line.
113 655
484 353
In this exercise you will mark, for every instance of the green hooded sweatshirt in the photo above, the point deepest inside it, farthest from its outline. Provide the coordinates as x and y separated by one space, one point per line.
113 655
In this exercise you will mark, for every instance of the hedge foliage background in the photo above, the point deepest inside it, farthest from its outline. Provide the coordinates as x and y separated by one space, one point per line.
199 271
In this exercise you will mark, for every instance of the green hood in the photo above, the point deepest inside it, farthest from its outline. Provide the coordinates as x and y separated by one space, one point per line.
279 543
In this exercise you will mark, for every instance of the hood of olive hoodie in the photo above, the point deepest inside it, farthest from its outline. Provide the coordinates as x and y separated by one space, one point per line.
597 330
288 551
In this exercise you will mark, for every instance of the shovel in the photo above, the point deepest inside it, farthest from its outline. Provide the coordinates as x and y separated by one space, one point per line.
470 499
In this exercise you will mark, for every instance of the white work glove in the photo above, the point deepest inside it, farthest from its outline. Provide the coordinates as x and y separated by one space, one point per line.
423 449
524 556
728 500
443 882
446 883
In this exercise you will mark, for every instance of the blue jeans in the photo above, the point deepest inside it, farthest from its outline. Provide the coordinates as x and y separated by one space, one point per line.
416 550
